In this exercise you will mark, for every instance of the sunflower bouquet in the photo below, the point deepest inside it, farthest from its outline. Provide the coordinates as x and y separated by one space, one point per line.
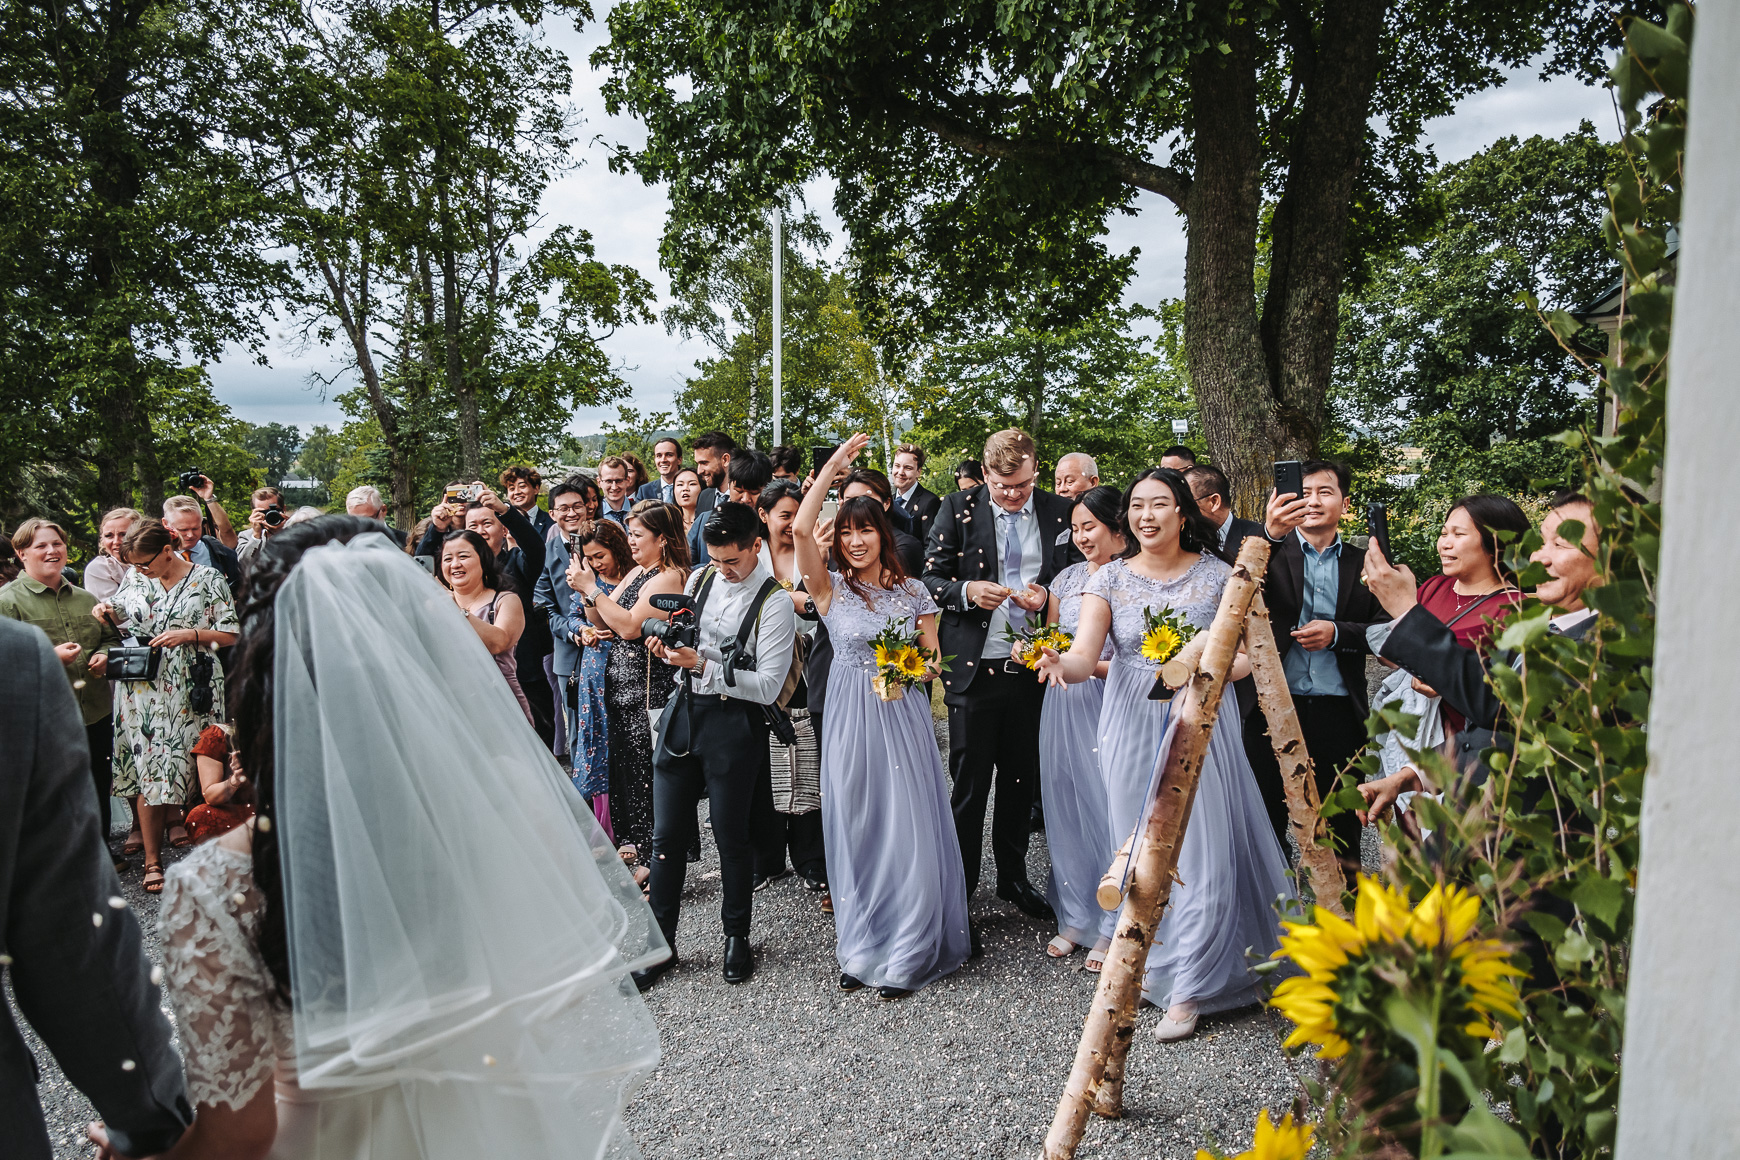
1027 644
1163 637
900 660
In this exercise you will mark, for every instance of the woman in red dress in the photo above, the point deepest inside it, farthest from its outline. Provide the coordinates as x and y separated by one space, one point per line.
229 795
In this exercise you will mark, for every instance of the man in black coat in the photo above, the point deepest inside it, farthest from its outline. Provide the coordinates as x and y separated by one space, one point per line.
1214 497
1320 612
79 971
993 550
911 500
181 515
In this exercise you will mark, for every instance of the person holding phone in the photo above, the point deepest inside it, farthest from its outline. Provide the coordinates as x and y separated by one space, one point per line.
1320 611
557 604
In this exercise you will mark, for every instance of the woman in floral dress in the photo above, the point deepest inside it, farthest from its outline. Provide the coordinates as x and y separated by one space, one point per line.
186 610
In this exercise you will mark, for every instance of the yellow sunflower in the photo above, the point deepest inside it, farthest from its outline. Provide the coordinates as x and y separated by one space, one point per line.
1283 1141
1160 643
1382 917
911 663
886 656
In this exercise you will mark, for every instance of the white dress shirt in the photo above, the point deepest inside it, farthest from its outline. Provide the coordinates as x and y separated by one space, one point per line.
775 632
1032 560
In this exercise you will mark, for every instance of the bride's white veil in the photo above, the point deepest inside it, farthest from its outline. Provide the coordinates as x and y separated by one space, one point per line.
459 925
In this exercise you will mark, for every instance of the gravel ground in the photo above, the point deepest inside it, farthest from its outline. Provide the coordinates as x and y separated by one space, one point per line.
788 1066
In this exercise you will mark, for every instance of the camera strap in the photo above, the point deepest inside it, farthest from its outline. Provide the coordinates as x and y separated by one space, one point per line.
747 631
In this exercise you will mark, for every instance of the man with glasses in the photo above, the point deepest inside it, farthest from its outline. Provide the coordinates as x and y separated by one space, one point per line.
558 604
992 552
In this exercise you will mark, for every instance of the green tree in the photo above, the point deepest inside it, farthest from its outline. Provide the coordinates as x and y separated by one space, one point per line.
1442 350
130 223
828 372
1096 387
274 448
978 149
416 143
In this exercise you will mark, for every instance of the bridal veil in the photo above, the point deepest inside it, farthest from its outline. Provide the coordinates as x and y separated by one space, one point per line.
459 925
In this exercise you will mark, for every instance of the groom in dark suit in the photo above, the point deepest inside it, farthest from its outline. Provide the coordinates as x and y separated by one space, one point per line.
913 501
79 971
993 552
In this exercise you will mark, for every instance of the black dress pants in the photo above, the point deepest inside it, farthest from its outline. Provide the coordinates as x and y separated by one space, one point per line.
100 737
727 756
1334 732
994 733
773 833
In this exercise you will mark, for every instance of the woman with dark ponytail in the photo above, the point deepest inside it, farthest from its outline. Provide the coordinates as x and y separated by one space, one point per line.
421 892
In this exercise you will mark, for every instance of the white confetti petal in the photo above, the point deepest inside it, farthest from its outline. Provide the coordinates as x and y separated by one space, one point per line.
116 902
97 919
156 976
128 1065
262 824
489 1061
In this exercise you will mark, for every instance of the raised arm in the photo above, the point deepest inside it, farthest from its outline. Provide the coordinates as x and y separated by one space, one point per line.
811 565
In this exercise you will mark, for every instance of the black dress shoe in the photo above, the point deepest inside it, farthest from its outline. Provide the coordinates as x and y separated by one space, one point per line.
1036 819
739 960
815 885
978 947
892 992
1026 899
646 977
850 982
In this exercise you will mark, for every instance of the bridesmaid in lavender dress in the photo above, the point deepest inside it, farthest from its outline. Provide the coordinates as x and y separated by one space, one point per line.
1077 825
1230 868
894 862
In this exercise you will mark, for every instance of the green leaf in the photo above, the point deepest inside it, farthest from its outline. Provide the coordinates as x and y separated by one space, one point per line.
1603 898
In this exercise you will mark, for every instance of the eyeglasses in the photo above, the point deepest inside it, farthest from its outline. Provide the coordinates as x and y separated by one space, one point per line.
563 509
1012 488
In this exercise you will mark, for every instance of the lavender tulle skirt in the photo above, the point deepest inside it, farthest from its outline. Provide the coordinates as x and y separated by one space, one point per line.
894 862
1230 868
1077 824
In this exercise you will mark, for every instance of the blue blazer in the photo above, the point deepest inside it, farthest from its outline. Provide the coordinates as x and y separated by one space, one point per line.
652 489
560 604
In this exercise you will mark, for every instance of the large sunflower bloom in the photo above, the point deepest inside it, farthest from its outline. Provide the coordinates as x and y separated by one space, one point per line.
911 663
1382 917
1283 1141
1160 643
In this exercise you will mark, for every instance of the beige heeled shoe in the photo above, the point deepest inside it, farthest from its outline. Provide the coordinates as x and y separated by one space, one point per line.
1170 1030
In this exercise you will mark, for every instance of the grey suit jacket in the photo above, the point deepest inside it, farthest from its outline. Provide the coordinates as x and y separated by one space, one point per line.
85 988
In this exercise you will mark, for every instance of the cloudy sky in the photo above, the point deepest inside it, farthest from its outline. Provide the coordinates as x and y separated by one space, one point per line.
625 218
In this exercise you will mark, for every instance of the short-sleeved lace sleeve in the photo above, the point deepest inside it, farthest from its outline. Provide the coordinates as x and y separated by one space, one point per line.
230 1021
922 604
1193 597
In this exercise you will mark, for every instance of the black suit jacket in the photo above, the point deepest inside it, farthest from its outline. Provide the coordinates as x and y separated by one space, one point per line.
85 989
1355 610
921 512
963 547
1426 647
224 560
1241 530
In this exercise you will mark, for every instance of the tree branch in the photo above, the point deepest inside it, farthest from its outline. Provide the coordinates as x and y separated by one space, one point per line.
1172 184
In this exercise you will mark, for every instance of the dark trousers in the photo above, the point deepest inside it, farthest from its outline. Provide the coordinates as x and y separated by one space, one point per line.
994 733
728 755
535 684
1334 734
100 737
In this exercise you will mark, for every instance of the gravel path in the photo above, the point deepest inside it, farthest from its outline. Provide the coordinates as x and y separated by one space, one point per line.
788 1066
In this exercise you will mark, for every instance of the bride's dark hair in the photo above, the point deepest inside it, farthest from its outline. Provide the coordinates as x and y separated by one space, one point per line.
251 709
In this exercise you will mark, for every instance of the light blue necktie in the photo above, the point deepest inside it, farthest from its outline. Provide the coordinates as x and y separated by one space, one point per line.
1011 563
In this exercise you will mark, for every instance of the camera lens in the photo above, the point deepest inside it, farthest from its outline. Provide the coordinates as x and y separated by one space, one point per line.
274 517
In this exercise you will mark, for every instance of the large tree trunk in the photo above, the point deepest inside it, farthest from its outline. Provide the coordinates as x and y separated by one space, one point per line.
1301 307
1222 342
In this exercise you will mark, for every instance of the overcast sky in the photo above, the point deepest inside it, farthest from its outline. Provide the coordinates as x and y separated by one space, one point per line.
626 217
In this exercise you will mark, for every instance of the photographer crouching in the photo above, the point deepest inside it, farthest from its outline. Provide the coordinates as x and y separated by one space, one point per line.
733 643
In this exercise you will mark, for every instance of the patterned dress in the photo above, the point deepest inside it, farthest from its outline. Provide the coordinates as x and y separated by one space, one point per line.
1230 868
629 691
590 746
894 860
156 727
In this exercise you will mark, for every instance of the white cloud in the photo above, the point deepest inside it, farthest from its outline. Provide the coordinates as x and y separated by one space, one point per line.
626 219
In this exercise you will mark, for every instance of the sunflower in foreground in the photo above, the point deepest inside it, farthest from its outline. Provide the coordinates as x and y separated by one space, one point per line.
1283 1141
910 663
1335 955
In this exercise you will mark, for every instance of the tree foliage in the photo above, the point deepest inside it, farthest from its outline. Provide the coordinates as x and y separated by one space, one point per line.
978 150
1441 350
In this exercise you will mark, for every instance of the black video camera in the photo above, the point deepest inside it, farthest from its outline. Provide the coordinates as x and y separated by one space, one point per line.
273 517
682 630
190 479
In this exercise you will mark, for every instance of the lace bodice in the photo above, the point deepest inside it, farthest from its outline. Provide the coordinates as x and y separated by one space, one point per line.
851 622
1194 597
1068 586
232 1025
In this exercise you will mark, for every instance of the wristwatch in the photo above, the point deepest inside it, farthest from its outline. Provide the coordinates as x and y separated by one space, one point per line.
809 605
588 600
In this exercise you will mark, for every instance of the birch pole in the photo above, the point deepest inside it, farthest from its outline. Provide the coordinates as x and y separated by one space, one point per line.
1111 1021
1298 774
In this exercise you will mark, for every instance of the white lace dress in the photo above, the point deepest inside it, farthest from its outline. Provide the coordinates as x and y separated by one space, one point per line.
235 1033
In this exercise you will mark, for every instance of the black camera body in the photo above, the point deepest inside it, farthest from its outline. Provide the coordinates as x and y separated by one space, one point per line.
199 692
190 479
273 517
682 630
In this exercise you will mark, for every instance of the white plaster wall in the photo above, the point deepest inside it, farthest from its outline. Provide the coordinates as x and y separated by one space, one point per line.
1680 1092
